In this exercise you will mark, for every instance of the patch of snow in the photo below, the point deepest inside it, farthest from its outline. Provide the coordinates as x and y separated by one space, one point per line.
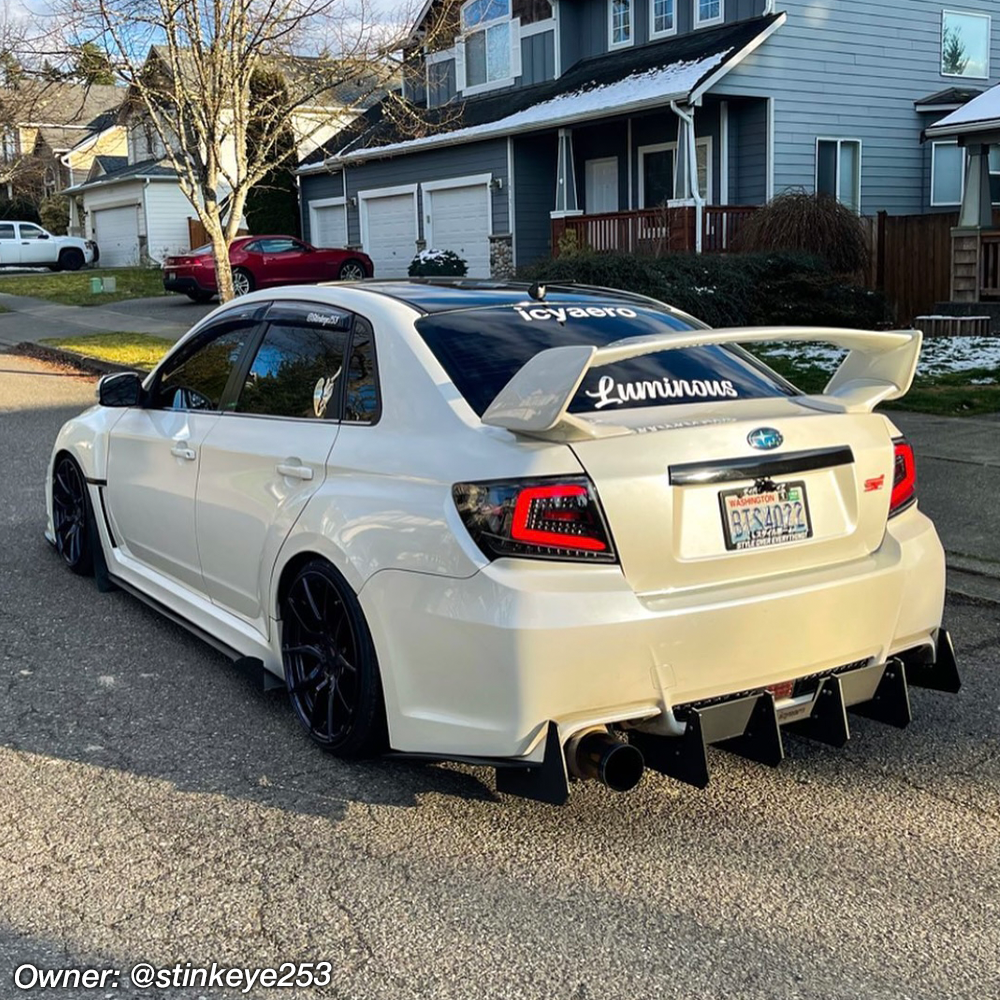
433 255
939 356
659 86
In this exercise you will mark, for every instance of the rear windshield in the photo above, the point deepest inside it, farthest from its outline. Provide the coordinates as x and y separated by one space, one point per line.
482 349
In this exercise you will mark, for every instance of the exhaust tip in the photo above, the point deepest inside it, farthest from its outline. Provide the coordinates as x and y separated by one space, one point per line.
598 755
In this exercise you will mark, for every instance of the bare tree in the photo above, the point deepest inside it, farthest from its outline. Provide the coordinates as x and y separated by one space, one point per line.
189 65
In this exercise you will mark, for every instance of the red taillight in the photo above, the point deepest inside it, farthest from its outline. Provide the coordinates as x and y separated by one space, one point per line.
904 480
537 520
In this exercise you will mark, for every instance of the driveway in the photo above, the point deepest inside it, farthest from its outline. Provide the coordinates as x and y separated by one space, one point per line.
158 808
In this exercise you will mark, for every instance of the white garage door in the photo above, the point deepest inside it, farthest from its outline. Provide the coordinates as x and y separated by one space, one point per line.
389 230
459 220
328 226
116 231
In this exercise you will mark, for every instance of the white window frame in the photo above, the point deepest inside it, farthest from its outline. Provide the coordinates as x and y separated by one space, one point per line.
447 184
373 194
661 147
326 203
432 59
461 84
839 140
667 32
700 22
989 43
965 170
612 44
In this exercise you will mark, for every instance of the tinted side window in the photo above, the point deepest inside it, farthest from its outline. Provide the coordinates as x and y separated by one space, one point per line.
361 397
6 231
31 233
197 377
296 373
279 246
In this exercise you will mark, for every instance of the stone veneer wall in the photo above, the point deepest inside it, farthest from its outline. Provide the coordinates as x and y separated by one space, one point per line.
502 256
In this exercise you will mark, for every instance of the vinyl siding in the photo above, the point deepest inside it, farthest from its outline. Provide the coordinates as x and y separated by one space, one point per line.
316 187
534 174
747 153
432 165
852 69
167 214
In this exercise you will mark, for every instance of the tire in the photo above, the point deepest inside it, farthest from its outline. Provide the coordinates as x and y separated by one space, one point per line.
200 297
351 270
72 517
243 282
330 665
70 260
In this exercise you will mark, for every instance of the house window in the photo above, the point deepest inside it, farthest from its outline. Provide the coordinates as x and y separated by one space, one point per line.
965 45
658 170
619 23
487 28
948 167
838 170
661 18
947 173
708 12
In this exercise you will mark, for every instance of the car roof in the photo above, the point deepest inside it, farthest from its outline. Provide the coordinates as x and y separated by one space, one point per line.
437 295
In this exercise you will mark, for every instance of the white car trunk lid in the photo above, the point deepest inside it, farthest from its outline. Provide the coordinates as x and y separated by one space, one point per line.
663 492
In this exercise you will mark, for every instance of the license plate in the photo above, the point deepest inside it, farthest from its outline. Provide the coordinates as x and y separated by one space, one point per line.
171 275
755 518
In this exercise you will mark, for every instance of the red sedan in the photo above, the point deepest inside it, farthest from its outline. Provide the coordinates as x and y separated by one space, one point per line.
260 262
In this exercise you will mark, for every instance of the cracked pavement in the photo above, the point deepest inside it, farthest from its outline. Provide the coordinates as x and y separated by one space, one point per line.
156 807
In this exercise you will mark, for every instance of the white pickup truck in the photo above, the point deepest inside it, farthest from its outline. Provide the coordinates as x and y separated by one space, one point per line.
26 244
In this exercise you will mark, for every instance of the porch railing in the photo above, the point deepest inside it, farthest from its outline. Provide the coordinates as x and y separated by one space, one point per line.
653 231
989 265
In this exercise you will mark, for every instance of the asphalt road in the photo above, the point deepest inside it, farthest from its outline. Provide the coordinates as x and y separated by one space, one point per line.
157 808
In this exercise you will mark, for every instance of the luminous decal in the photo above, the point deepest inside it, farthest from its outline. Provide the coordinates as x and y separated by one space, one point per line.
322 319
323 392
612 393
561 314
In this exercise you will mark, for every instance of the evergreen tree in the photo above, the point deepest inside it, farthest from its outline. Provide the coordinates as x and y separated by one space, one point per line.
953 58
93 65
272 204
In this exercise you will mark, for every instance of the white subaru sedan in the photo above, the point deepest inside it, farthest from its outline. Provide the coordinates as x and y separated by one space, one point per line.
564 532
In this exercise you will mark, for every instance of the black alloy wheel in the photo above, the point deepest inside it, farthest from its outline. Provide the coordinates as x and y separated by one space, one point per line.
71 517
330 665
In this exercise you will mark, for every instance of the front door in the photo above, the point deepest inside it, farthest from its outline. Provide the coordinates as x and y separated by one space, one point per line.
601 185
267 455
36 247
154 453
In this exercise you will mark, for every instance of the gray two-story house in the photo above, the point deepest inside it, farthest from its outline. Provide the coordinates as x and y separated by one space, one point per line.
607 117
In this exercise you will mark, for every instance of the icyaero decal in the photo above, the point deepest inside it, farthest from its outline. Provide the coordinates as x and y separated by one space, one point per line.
612 393
562 313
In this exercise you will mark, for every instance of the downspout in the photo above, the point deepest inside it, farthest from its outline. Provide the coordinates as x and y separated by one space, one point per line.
688 119
768 7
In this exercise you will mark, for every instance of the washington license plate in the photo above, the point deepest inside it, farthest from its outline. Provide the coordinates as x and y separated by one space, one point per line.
755 518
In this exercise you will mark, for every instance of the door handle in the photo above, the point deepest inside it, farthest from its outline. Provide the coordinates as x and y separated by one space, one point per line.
181 450
295 471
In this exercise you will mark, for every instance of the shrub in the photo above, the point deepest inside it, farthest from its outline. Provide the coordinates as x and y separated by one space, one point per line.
727 290
808 223
437 263
54 213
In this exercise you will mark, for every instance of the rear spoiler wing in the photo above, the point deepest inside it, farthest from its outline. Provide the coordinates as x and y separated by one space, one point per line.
879 366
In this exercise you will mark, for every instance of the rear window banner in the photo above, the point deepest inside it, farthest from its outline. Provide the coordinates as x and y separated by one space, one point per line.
612 393
482 349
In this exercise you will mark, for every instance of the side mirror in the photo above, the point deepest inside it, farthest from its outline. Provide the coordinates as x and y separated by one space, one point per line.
43 236
120 389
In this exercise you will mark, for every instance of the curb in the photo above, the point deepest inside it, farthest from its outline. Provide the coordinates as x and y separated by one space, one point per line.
63 357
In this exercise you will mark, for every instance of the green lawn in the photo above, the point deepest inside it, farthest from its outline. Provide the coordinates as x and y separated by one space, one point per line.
134 350
72 288
968 393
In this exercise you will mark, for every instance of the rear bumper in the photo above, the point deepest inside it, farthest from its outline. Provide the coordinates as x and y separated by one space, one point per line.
479 666
185 284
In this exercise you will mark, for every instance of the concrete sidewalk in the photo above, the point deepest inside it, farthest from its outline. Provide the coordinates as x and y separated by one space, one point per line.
33 320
